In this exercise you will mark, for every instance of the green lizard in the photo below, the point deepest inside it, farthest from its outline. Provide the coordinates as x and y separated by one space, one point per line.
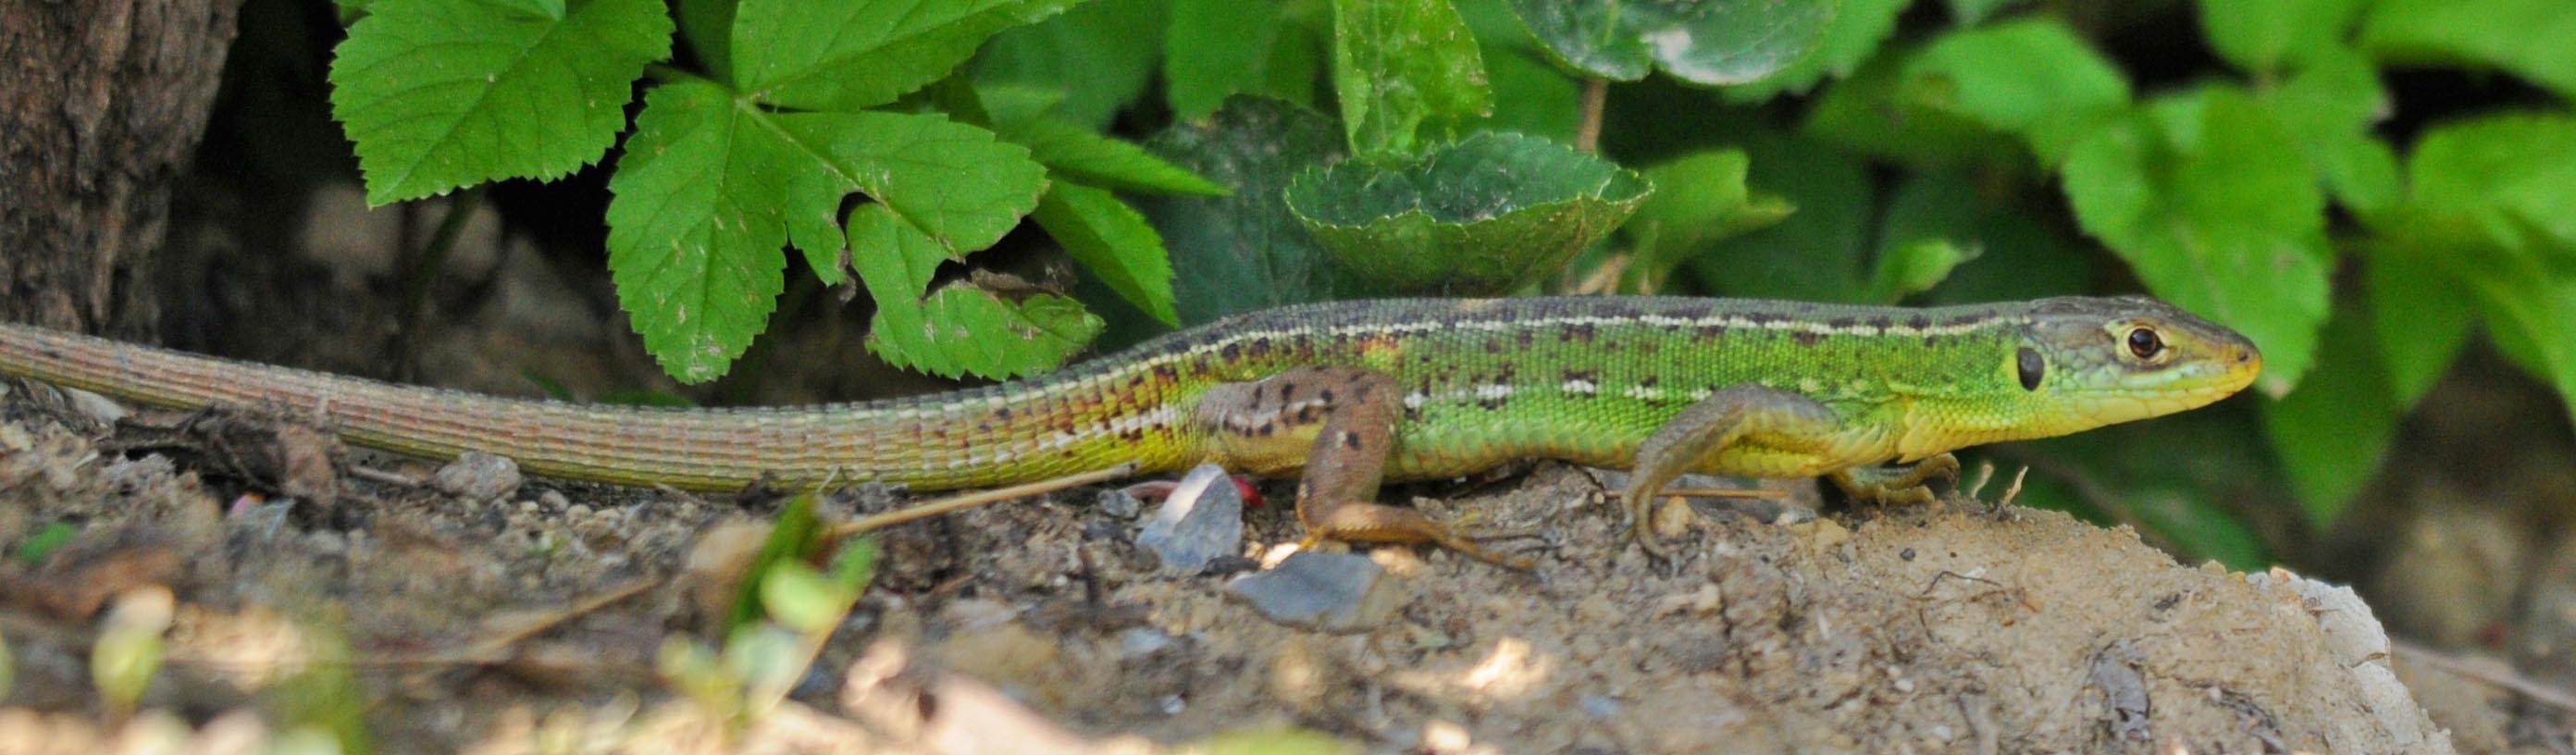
1349 394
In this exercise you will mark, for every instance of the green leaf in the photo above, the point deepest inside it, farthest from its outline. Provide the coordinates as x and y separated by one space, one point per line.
1854 34
1707 42
1089 53
2420 318
2269 35
1699 199
1915 267
1243 251
443 94
1816 253
707 27
1531 96
2033 78
2526 37
2329 107
2333 431
1399 62
1482 216
1215 49
851 54
2218 213
1084 155
2507 175
1974 12
1874 113
2015 258
711 187
1114 242
959 328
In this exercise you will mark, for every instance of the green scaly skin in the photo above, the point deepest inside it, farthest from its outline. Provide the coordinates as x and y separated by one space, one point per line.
1479 383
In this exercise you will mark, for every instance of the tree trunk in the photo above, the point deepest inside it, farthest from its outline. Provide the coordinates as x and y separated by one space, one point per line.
102 103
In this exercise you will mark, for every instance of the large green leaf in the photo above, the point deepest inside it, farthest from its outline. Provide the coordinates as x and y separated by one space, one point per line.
2530 38
1243 251
851 54
1878 113
2207 199
2034 78
1701 41
443 94
1482 216
712 186
1397 63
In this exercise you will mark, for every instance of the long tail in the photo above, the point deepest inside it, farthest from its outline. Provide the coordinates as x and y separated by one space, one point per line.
1015 432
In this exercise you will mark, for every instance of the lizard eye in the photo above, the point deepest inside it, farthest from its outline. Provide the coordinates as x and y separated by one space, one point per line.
2144 343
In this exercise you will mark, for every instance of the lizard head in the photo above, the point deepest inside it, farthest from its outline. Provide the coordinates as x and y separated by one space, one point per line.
2094 361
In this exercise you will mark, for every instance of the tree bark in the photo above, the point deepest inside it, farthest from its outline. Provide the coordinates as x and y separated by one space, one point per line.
102 103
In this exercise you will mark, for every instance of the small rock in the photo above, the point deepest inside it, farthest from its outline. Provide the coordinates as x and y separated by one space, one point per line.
1598 706
1203 519
95 406
1119 503
1334 592
478 476
1138 642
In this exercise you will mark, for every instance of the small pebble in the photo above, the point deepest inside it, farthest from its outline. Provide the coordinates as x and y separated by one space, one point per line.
1138 642
1119 503
477 476
1334 592
1598 706
1202 520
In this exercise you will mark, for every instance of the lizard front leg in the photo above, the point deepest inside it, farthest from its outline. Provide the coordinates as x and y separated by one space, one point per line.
1337 425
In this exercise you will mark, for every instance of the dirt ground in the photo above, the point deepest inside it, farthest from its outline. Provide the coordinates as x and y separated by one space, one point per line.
341 596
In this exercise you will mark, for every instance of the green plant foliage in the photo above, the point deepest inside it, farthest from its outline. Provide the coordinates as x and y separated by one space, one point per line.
1244 251
860 53
958 328
2208 201
1973 12
699 268
1115 242
2033 78
1088 55
2269 36
1701 41
443 94
2526 37
2334 429
1397 63
1483 216
1816 253
1856 31
1699 199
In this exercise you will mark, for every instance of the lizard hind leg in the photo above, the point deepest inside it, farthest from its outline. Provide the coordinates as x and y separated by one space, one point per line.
1336 424
1705 431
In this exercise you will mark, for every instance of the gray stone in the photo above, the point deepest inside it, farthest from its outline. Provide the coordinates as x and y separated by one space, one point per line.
1203 519
1334 592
